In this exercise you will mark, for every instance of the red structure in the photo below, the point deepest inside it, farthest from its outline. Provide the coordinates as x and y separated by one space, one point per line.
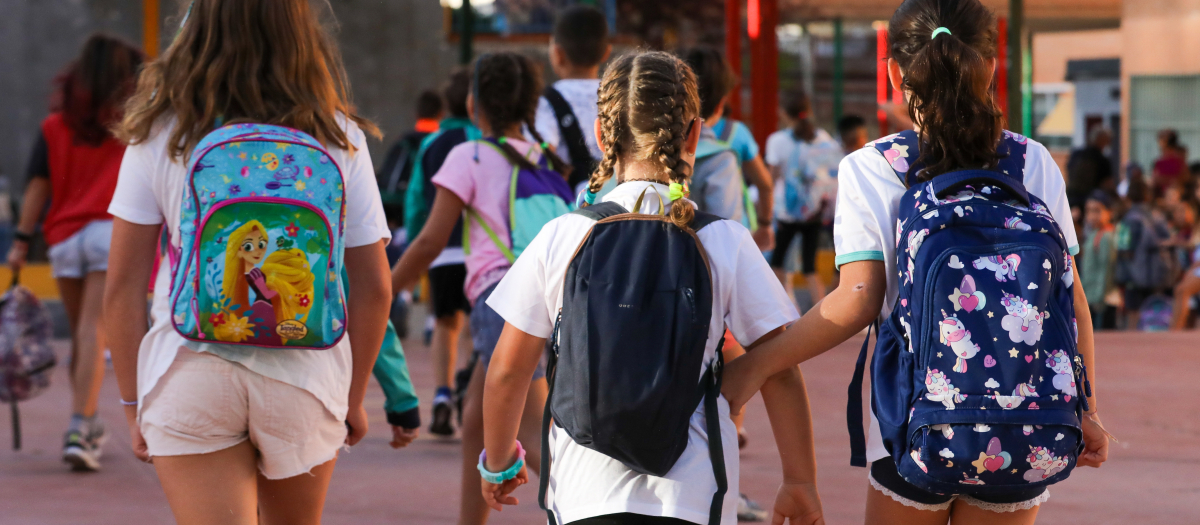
733 52
1002 67
762 16
881 76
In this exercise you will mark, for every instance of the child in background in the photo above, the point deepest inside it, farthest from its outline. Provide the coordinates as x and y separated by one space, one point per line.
240 434
964 130
447 273
74 167
578 46
1096 260
852 130
397 166
804 163
649 128
1144 264
715 82
476 176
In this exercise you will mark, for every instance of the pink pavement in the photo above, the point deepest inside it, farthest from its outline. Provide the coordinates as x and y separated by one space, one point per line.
1150 400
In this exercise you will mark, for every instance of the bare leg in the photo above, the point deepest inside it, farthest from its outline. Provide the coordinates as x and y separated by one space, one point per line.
446 332
1187 288
82 299
816 288
218 488
882 509
965 514
473 509
297 500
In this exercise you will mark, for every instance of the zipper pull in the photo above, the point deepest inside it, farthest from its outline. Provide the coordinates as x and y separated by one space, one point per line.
1082 379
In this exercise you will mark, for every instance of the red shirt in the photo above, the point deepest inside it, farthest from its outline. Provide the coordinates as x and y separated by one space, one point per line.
83 178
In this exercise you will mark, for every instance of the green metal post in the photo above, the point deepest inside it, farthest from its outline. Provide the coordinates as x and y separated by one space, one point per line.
1027 87
1016 59
839 70
467 33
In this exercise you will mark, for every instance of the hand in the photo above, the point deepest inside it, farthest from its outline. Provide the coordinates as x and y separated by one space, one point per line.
764 237
799 504
138 442
1095 442
402 437
356 424
739 383
17 255
258 281
496 496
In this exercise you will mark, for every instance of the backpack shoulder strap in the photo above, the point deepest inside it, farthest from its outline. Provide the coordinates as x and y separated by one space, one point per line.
703 219
601 211
727 131
901 151
1012 150
571 130
709 147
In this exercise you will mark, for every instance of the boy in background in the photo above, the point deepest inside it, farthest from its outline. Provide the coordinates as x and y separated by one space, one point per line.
397 165
1096 260
852 130
567 109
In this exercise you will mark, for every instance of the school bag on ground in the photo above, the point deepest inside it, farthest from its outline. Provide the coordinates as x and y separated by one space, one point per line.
536 196
571 130
976 381
26 358
261 235
631 397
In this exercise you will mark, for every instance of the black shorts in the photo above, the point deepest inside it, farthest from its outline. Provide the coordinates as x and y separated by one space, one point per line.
810 238
446 290
626 518
884 473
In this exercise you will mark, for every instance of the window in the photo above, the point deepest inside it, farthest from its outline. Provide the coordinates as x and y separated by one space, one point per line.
1162 102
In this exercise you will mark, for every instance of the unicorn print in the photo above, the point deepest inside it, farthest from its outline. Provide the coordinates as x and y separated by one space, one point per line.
908 274
1064 376
1005 268
958 338
941 390
1015 223
1068 277
964 195
1044 464
907 333
915 239
1023 390
916 457
1023 322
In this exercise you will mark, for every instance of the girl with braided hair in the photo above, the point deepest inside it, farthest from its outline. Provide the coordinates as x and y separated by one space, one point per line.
475 178
648 128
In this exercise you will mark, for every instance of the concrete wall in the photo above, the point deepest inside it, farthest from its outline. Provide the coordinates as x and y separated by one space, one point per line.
1052 51
1160 37
392 49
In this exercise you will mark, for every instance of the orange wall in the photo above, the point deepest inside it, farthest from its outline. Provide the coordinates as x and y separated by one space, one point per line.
1052 51
1159 37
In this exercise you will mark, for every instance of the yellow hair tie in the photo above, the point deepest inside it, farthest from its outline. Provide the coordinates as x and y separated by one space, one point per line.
677 191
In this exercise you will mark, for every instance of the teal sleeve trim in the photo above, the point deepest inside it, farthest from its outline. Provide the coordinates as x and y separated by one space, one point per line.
1073 250
867 255
391 370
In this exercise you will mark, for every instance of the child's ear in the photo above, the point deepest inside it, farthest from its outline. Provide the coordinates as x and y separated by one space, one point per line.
895 75
693 138
598 128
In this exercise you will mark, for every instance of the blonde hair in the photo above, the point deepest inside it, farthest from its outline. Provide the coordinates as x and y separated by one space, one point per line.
234 281
288 274
646 102
264 61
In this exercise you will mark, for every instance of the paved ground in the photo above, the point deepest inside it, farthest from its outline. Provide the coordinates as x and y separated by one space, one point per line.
1150 401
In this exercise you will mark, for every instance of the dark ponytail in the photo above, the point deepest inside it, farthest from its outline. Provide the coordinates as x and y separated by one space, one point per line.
948 76
507 87
799 107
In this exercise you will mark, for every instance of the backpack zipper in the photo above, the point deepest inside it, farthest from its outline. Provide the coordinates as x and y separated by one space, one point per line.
1082 378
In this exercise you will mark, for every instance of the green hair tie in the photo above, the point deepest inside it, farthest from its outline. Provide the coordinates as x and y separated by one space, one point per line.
502 140
677 191
939 31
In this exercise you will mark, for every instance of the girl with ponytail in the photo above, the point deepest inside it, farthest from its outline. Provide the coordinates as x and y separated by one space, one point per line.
648 128
943 56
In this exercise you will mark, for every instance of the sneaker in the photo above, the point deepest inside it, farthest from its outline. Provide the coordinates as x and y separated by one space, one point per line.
443 412
748 510
82 451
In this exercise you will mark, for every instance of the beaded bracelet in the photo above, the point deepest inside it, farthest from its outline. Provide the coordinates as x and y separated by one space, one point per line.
497 478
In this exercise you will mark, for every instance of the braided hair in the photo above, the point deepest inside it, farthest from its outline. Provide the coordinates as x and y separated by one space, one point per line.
647 102
506 87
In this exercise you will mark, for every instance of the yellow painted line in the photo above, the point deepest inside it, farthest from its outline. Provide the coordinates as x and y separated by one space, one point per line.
36 277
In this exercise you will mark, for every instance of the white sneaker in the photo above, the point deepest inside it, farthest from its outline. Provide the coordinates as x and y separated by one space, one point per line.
748 510
83 452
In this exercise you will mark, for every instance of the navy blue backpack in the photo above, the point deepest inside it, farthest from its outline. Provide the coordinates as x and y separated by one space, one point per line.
975 379
627 369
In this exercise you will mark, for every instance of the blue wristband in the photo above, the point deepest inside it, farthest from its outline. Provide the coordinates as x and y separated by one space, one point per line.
497 478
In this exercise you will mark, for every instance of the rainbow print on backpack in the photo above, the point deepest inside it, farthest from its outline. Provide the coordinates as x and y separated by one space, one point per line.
261 251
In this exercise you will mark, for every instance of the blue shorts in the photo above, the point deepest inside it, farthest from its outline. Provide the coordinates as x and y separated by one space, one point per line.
82 253
887 480
486 326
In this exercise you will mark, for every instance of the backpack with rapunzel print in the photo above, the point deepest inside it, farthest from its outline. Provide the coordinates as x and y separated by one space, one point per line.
261 227
976 382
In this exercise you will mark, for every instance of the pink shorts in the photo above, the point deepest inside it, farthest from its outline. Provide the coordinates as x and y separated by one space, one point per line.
205 403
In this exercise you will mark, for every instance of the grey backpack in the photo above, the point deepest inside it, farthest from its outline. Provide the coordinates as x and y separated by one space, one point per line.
26 357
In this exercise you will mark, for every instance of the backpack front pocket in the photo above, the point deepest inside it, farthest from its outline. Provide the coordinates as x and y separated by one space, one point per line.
265 275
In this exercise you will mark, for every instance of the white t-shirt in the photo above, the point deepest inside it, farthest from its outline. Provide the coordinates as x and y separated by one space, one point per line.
816 160
150 190
746 298
868 206
581 95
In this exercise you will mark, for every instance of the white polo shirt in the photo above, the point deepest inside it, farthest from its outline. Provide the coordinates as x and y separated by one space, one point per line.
747 299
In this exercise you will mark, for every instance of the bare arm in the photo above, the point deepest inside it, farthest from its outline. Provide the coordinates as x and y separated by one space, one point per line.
756 172
516 357
447 208
130 263
37 191
367 311
1095 438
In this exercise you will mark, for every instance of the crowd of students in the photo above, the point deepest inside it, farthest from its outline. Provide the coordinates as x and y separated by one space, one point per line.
481 194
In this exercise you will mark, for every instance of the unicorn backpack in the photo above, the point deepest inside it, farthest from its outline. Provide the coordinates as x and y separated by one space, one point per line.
260 230
976 381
